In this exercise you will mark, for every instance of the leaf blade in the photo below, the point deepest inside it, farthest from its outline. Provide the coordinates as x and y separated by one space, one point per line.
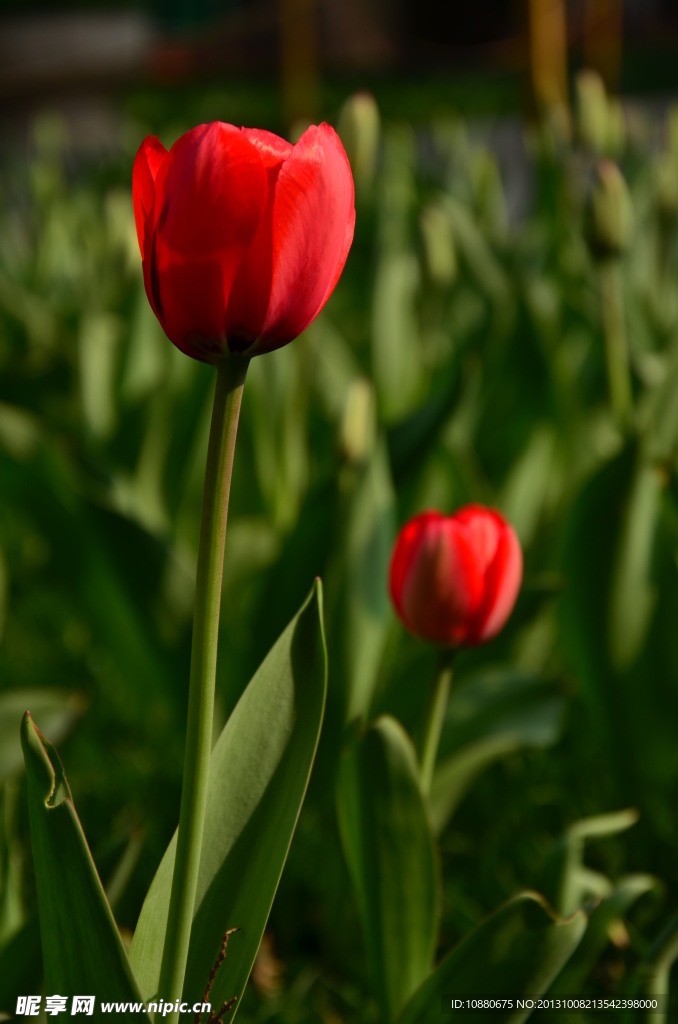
518 950
253 803
391 858
82 949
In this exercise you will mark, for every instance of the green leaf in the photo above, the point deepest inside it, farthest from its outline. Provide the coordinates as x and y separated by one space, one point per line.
597 937
567 881
499 701
82 950
55 710
489 717
389 849
654 973
258 776
632 595
519 950
477 254
20 965
454 776
12 914
371 528
525 492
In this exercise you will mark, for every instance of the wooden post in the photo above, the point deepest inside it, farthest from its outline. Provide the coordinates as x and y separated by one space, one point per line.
299 60
548 55
603 35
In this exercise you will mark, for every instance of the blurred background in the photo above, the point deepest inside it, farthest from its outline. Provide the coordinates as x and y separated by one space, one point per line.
505 331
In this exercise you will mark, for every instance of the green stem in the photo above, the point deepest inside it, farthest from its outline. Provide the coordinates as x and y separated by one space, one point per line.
227 398
616 348
435 718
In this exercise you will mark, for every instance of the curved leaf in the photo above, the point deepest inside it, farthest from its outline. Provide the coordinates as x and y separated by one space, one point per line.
258 776
82 950
566 881
55 710
519 950
390 854
609 910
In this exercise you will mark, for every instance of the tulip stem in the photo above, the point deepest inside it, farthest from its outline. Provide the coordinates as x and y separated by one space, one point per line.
435 718
227 399
616 347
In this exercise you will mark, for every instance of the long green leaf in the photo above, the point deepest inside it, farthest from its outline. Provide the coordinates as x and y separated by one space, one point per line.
390 854
370 535
82 950
519 950
258 776
633 595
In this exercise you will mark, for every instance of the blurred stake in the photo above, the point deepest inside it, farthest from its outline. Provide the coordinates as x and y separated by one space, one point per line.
299 61
603 33
548 56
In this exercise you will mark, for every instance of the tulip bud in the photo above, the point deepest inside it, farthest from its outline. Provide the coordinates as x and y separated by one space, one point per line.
667 189
441 255
592 110
609 214
616 128
454 579
359 428
359 129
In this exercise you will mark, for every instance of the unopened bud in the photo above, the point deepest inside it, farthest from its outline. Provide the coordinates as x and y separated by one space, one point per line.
593 114
358 428
667 189
672 131
616 128
609 214
359 129
439 249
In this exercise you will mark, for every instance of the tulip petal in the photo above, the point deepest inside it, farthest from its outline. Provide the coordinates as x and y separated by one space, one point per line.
484 528
312 229
211 194
251 290
502 583
440 585
272 148
146 165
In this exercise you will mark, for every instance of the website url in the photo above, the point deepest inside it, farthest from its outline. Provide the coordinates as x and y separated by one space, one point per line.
30 1006
160 1008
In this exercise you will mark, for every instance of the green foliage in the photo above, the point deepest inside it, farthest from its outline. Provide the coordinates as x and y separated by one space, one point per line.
461 358
81 946
258 777
490 716
518 950
389 851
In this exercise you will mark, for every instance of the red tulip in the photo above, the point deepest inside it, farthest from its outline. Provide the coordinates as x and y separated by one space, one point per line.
242 235
454 579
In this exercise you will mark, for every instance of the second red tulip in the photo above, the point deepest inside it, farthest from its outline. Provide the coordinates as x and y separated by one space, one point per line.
454 579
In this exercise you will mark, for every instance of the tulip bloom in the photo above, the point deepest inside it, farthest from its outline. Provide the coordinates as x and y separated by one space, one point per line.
454 579
242 235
